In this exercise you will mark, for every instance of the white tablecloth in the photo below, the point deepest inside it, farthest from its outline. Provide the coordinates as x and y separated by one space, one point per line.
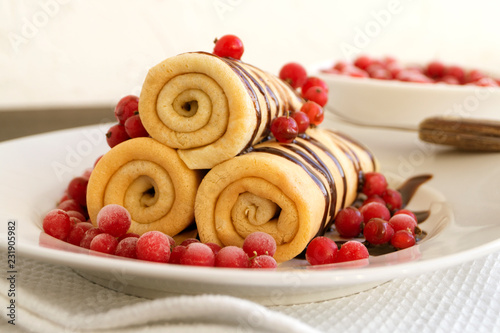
465 298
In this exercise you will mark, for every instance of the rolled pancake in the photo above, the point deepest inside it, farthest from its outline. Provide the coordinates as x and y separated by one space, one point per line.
290 191
150 181
211 108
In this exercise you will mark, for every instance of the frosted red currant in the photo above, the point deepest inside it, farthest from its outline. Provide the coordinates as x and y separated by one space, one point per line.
403 222
127 235
314 111
407 212
57 224
294 74
89 236
198 254
71 204
352 250
135 128
176 254
126 108
435 69
302 121
233 257
374 183
314 81
321 250
153 246
316 94
229 46
378 231
77 189
77 215
114 220
363 62
457 72
348 222
76 234
374 198
215 247
258 243
104 243
263 261
393 199
188 241
284 129
116 135
375 210
127 248
403 239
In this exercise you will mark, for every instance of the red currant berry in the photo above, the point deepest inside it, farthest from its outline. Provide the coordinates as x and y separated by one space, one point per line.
116 135
352 250
215 247
89 236
188 241
314 111
134 127
76 234
314 81
378 231
127 235
153 246
474 75
294 74
64 197
362 62
354 72
104 243
435 69
403 239
316 94
340 65
126 107
374 198
263 261
348 222
71 204
457 72
57 224
381 74
77 189
375 210
229 46
393 199
374 183
198 254
79 216
127 248
302 121
258 243
232 256
114 220
284 129
403 222
407 212
321 250
171 240
177 252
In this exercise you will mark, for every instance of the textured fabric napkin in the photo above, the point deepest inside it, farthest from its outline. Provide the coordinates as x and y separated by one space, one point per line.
465 298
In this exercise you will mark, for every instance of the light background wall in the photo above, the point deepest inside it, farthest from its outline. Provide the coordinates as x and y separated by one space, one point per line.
90 53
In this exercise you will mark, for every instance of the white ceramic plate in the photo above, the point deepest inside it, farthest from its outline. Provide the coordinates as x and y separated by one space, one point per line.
35 170
404 104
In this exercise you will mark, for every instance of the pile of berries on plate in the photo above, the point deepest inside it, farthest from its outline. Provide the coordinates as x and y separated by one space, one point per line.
389 68
111 237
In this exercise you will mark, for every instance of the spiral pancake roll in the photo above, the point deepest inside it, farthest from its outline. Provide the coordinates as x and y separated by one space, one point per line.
290 191
209 108
150 181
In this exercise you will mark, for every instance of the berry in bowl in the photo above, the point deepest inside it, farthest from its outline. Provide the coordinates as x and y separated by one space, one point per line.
385 92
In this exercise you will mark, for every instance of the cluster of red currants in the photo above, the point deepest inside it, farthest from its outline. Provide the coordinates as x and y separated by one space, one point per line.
389 68
111 236
129 122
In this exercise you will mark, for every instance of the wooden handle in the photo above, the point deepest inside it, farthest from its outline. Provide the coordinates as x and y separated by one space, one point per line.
463 133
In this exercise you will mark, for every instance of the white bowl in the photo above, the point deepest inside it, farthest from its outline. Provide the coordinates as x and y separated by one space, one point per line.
405 104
